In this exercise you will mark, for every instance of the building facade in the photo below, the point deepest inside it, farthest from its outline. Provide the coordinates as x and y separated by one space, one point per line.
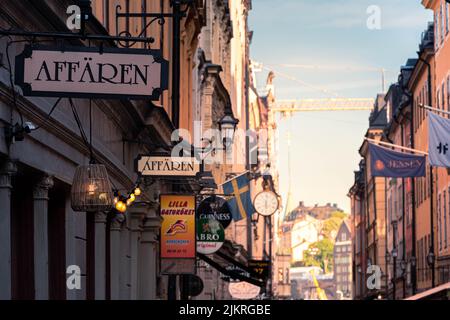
342 262
118 253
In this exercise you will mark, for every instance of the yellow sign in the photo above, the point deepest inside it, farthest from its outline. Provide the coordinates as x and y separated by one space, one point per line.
178 226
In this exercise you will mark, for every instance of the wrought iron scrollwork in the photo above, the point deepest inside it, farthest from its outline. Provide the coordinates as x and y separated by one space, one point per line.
159 18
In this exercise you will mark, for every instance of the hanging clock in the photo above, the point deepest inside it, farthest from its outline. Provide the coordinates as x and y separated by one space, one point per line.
266 203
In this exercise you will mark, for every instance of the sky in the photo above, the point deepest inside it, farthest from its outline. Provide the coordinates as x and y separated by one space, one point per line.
333 37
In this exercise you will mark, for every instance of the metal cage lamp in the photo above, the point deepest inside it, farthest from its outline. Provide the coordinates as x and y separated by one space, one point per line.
91 189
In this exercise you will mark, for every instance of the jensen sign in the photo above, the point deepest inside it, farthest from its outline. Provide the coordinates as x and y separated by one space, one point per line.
91 73
167 166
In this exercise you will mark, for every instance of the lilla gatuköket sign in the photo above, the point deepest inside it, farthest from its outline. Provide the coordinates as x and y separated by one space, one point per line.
83 72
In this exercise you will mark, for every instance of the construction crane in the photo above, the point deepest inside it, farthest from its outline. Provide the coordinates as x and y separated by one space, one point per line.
331 104
320 292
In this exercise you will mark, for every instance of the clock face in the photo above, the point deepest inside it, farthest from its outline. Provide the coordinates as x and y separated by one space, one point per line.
266 203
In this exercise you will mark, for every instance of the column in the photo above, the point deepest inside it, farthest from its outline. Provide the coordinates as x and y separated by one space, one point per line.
100 255
40 214
76 248
136 213
148 257
6 171
116 225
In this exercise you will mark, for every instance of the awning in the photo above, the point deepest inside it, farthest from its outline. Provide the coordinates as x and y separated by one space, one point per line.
231 273
441 292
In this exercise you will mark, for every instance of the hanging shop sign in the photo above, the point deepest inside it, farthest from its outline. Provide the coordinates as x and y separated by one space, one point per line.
88 72
243 290
167 166
178 226
236 270
260 268
215 208
210 236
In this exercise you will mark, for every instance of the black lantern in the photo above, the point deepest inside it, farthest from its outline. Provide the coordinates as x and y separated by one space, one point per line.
388 257
394 253
403 265
227 127
430 259
413 261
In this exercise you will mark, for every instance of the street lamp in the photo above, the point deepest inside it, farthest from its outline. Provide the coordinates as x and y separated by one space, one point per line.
430 259
394 253
403 265
388 257
227 127
413 261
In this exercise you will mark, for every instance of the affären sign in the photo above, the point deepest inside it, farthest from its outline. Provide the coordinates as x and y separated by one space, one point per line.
167 166
88 72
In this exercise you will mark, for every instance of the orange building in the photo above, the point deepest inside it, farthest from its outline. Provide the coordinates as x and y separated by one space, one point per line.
441 181
420 84
375 199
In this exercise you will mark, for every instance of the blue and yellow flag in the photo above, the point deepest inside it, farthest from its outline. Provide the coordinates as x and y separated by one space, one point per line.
240 204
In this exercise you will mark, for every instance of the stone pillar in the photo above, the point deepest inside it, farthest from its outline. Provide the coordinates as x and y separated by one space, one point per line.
100 255
116 226
40 214
148 257
6 171
136 215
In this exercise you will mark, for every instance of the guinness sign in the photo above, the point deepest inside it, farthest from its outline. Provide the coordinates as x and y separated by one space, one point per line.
87 72
215 208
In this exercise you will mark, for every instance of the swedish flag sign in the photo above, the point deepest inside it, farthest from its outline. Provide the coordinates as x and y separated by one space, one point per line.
240 204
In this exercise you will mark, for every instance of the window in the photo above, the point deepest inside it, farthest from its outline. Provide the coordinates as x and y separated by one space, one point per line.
443 96
440 222
441 17
436 30
448 93
344 237
280 275
438 99
445 219
446 17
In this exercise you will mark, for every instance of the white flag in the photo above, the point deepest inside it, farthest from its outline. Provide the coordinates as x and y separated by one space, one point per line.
439 140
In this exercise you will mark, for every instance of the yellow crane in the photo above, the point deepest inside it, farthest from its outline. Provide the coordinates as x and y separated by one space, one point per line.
331 104
320 292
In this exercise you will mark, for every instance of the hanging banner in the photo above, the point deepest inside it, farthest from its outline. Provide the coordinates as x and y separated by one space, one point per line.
439 140
178 227
243 290
215 208
88 72
388 163
210 236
